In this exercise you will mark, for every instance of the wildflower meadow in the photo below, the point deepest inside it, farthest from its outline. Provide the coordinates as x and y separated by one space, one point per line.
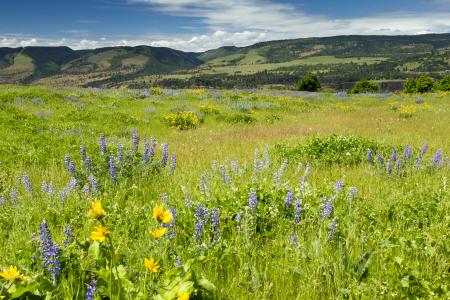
223 194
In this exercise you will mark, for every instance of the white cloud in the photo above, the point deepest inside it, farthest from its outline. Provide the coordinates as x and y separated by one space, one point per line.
245 22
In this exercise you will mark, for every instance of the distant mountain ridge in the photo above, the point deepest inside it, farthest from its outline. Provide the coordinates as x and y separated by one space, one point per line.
380 56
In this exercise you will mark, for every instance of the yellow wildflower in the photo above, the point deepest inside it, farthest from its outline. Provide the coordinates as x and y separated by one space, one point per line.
162 215
151 265
97 210
159 233
11 274
183 296
99 234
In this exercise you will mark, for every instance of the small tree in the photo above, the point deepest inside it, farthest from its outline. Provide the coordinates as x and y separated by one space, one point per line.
443 84
365 86
310 83
421 84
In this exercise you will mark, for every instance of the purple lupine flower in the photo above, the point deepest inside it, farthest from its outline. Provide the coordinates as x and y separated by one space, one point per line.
112 170
119 152
266 162
51 189
91 290
215 218
306 174
93 182
13 196
407 153
70 236
234 166
164 198
298 210
289 198
44 187
332 230
27 183
338 186
86 189
352 193
388 167
178 262
380 158
152 147
49 253
67 160
102 144
280 172
294 239
394 154
146 152
173 163
423 150
437 157
238 219
165 155
327 208
204 186
257 166
83 152
71 166
2 199
87 163
228 180
201 214
253 200
398 164
73 184
135 137
370 156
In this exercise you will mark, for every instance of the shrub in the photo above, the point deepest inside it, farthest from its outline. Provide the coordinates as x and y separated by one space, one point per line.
407 111
309 84
365 86
443 84
421 84
182 120
330 150
208 109
240 118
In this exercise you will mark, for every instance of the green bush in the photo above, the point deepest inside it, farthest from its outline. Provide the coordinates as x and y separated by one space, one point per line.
182 120
334 149
240 118
365 86
309 84
421 84
443 84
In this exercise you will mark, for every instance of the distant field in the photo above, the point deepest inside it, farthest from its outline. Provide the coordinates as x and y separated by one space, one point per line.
308 61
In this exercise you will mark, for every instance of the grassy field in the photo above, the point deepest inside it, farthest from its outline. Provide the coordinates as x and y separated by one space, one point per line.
223 195
252 67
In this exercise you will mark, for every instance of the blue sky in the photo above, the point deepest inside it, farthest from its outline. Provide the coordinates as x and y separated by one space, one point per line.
198 25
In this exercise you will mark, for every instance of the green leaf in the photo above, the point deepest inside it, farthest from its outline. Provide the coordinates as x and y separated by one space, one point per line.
94 250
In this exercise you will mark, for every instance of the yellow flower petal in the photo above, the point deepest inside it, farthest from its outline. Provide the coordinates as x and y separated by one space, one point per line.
159 233
10 274
151 265
183 296
97 210
162 215
99 234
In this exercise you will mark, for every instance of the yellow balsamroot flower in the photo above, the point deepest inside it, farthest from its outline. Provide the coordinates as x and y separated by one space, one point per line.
162 215
97 210
99 234
159 233
151 265
11 274
183 296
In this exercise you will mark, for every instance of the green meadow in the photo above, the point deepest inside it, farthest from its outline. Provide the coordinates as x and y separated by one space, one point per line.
223 194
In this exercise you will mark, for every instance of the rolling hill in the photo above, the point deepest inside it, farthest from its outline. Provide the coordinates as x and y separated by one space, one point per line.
336 60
